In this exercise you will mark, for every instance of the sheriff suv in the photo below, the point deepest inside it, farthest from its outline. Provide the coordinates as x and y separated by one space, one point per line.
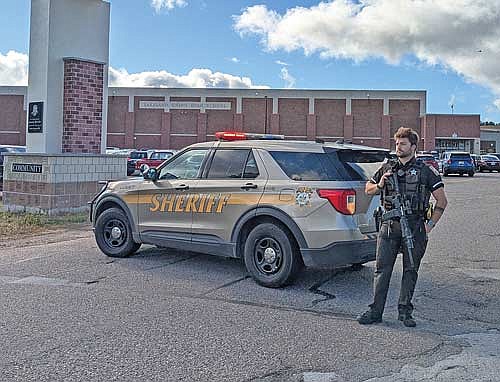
278 205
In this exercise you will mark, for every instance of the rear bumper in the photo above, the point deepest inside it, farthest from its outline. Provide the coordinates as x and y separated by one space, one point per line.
340 253
458 169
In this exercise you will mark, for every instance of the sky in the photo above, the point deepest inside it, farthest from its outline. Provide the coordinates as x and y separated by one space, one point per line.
450 48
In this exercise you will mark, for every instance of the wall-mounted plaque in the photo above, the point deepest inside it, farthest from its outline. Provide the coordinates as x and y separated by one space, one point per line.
27 167
35 117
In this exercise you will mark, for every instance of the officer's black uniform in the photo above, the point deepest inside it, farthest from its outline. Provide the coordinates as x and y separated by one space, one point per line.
416 182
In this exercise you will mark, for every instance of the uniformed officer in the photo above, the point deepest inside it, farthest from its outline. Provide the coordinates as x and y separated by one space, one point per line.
416 183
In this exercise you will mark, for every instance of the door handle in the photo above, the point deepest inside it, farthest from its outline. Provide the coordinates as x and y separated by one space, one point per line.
182 187
248 186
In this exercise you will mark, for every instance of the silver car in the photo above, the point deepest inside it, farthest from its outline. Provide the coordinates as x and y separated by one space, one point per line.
278 205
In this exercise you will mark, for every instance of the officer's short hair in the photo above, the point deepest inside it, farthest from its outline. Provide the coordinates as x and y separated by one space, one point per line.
407 132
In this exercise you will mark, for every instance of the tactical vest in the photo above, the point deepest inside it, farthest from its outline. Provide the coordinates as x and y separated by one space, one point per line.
413 191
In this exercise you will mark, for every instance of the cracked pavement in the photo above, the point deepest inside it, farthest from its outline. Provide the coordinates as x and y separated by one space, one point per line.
69 313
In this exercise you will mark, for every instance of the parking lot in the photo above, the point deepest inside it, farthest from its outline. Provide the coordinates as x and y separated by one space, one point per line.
70 313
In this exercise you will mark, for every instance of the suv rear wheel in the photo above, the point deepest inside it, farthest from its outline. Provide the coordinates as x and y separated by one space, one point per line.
114 235
271 256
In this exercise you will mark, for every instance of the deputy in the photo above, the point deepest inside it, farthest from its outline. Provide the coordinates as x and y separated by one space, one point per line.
416 183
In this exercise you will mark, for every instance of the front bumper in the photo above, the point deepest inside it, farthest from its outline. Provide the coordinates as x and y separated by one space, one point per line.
341 253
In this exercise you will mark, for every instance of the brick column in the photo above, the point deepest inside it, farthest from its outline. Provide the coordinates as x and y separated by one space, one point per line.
275 123
238 122
311 127
82 106
166 123
348 127
202 127
428 129
129 130
386 132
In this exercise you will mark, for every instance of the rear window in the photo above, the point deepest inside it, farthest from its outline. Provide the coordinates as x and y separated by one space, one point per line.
425 157
331 165
460 156
138 154
490 157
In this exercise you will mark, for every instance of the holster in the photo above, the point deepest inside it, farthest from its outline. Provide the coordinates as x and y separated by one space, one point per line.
377 214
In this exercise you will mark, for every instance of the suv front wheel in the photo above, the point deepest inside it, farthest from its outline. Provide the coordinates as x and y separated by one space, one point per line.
271 256
114 235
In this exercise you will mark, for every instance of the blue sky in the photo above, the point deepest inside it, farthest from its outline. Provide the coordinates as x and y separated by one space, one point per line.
340 44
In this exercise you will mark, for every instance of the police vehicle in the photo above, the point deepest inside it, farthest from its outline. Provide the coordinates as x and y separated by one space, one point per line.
277 204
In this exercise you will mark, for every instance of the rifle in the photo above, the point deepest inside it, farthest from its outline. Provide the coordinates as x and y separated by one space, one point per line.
401 209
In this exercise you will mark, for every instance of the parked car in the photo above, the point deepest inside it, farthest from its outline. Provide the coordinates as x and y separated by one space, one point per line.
277 205
428 159
489 163
133 157
8 149
495 154
156 158
476 158
457 162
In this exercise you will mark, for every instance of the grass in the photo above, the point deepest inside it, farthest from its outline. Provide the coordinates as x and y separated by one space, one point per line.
25 223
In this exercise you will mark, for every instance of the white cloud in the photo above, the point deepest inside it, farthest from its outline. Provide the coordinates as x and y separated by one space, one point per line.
288 78
14 69
497 103
196 78
158 5
235 59
282 63
459 35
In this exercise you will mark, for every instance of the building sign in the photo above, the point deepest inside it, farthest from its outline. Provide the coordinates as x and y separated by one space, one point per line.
35 117
184 105
26 167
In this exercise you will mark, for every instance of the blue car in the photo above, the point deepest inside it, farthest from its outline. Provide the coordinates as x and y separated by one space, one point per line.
458 162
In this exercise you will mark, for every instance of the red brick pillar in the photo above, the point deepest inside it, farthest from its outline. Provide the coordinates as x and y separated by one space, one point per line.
166 123
311 127
238 122
82 106
275 123
202 127
129 130
428 129
386 132
348 127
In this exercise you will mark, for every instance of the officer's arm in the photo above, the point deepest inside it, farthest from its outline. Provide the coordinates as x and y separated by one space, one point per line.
441 203
371 188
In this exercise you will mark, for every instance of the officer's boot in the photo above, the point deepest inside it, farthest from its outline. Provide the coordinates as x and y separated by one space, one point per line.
369 317
407 319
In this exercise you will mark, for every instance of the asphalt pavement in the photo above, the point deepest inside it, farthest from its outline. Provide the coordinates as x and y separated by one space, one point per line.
70 313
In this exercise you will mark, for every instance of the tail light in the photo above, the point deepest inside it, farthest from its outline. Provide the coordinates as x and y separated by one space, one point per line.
448 161
344 201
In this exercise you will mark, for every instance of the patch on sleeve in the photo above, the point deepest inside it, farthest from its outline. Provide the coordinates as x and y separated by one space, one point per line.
433 169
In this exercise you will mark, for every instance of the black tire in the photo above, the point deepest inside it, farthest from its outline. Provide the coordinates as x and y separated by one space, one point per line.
283 260
445 173
471 174
120 246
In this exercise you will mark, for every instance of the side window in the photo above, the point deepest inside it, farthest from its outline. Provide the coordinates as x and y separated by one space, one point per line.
251 169
185 166
228 164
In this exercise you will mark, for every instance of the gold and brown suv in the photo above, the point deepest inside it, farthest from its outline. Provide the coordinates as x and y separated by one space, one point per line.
277 204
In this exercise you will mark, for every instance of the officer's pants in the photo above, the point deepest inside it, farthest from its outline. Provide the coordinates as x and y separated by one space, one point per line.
389 244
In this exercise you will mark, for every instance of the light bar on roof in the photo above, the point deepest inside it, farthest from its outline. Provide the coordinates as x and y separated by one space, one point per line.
240 136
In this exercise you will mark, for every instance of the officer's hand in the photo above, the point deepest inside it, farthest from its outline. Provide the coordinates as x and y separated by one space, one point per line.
386 175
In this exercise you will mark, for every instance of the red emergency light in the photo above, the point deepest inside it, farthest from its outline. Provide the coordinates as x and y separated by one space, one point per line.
240 136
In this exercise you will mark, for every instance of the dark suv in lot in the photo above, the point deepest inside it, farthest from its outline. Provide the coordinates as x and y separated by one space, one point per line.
457 162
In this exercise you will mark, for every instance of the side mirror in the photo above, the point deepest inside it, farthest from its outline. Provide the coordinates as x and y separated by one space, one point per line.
151 174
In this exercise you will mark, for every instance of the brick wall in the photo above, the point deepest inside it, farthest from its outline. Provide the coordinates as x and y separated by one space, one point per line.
82 106
330 117
367 117
293 117
254 114
220 120
12 116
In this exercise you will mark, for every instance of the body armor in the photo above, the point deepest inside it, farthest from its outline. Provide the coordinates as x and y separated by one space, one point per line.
412 188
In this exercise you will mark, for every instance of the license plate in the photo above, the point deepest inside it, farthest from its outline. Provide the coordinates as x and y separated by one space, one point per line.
460 163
